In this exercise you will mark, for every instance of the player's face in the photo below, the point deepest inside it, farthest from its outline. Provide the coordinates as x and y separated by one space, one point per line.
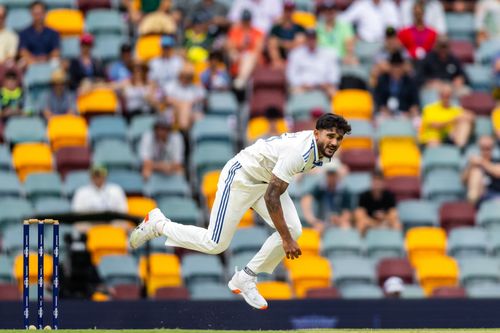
328 141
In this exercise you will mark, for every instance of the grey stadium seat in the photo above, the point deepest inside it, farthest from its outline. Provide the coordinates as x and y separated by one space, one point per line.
181 210
222 103
24 129
300 105
418 213
361 292
248 239
197 268
118 269
160 186
489 214
484 291
341 243
211 291
479 271
43 184
11 187
412 291
467 242
352 271
384 243
442 157
114 155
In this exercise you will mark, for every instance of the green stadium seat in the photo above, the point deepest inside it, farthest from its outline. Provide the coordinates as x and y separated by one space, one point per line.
412 291
340 243
115 155
248 239
467 242
74 180
384 243
211 291
484 291
479 271
352 271
299 106
181 210
107 127
442 157
118 269
160 186
10 185
489 214
418 213
222 103
198 268
50 206
361 292
24 129
212 129
130 180
43 184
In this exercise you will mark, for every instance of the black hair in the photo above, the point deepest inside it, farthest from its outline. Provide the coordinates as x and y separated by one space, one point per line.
38 3
273 112
11 74
390 32
125 48
330 120
216 55
396 59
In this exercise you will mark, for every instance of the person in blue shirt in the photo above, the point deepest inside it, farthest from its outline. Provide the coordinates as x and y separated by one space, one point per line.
38 43
120 71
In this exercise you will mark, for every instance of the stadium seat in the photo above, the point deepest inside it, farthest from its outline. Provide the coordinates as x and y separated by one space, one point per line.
483 126
484 291
31 157
248 240
210 156
147 48
304 19
160 270
107 127
359 160
181 210
74 180
366 51
417 213
161 186
267 78
107 48
262 99
479 271
309 272
105 240
115 155
6 262
461 26
428 96
384 243
399 267
487 51
309 242
138 126
98 101
341 243
463 50
275 290
33 268
352 271
443 185
259 126
396 129
222 103
68 22
67 131
130 181
412 291
361 292
449 292
323 293
140 206
209 186
437 271
171 293
211 291
38 75
198 268
299 106
13 244
354 184
50 206
456 214
53 4
5 158
442 157
118 269
104 21
480 76
18 19
125 292
359 72
481 103
423 243
353 104
494 241
24 129
489 214
72 159
404 188
467 242
361 136
70 47
212 129
399 158
43 184
10 185
9 292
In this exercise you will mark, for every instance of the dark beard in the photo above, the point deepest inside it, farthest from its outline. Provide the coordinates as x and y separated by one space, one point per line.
322 149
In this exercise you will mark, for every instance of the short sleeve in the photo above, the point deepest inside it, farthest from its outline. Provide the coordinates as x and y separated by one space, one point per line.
390 200
145 147
177 148
364 200
288 165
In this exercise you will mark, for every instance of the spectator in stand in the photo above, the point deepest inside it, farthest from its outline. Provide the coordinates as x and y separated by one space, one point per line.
120 71
263 12
381 60
11 96
9 41
216 77
165 68
85 69
487 16
482 173
138 95
440 66
160 22
214 11
444 122
285 35
434 15
393 287
396 92
273 115
496 76
333 203
244 46
136 9
161 150
198 39
38 43
59 100
99 195
372 18
185 98
336 34
311 67
418 39
377 207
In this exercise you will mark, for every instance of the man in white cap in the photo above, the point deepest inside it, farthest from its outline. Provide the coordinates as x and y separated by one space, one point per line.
393 287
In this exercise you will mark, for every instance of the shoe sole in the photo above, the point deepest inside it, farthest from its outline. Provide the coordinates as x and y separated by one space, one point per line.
237 291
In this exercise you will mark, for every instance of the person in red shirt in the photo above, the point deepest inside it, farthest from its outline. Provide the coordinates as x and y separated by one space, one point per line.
418 39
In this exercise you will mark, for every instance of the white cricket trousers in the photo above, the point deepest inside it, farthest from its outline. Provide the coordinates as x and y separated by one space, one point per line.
236 193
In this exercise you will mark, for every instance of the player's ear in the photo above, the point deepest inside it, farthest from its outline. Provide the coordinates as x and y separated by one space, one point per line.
316 133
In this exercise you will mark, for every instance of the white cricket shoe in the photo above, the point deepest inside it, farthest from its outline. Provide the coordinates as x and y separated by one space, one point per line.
147 230
245 285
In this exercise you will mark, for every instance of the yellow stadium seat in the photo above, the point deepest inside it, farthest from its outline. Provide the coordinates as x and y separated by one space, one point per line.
425 242
140 206
247 220
353 104
148 47
99 100
67 131
68 22
164 271
31 157
33 267
439 271
259 126
309 272
305 19
309 242
350 143
105 240
400 158
209 186
275 290
199 67
495 119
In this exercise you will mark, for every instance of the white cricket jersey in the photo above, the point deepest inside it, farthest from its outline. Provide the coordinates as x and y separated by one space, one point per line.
284 156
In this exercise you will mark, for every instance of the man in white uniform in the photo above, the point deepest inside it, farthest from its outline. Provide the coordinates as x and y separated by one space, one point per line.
255 178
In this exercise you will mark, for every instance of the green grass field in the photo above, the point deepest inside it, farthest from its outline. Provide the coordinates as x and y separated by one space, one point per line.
441 330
